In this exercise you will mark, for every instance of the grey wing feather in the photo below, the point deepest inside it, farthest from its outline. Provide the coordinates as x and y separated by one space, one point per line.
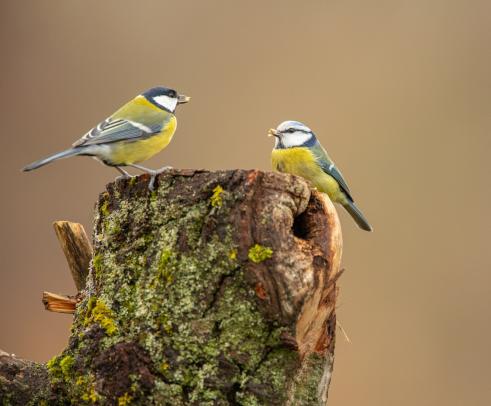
112 130
328 167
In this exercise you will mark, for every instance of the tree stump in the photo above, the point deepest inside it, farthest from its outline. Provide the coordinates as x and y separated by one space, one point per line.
216 288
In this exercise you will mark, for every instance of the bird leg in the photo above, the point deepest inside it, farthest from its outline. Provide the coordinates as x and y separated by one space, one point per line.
124 174
152 172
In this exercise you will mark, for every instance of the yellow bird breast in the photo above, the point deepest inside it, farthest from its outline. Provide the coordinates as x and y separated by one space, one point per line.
300 161
131 152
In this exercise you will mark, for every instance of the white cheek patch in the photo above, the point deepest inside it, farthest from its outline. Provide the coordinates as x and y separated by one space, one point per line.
167 102
295 139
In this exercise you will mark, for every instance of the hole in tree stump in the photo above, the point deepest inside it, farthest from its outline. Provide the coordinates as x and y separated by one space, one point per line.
301 226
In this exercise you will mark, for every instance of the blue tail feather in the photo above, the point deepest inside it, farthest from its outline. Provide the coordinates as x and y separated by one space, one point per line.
63 154
357 215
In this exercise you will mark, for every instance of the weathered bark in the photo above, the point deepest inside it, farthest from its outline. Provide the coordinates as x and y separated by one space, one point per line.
22 382
217 288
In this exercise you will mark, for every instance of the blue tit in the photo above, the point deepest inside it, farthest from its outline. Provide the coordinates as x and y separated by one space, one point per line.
297 151
137 131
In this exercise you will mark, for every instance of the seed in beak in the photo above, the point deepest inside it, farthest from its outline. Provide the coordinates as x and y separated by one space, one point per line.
273 133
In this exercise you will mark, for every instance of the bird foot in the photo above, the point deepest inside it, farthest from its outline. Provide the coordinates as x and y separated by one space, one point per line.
121 177
164 168
153 175
124 174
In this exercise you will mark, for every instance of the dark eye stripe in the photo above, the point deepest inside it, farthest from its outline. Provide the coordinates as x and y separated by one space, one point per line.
294 130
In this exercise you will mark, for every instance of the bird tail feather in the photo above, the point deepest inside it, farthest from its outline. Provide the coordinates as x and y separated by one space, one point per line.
63 154
357 216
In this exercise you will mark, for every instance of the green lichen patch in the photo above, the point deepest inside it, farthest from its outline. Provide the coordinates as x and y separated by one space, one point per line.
276 368
164 272
167 394
60 368
99 313
66 365
105 207
305 385
259 253
97 265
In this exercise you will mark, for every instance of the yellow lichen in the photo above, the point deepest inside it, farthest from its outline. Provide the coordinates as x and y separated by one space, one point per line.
259 253
66 365
105 208
124 400
98 312
164 367
86 384
52 364
233 254
91 395
97 264
164 273
153 197
216 197
60 368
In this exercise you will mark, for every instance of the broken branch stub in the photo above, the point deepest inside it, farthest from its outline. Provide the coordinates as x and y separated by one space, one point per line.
54 302
77 249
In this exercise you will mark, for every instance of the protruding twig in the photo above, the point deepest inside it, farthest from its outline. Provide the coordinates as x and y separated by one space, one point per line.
58 303
77 249
346 336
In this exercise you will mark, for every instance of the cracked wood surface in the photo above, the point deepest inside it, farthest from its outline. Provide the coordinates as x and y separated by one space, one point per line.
217 288
77 249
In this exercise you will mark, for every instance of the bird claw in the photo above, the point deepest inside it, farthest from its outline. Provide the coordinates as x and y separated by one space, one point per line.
153 175
122 177
151 183
124 174
164 169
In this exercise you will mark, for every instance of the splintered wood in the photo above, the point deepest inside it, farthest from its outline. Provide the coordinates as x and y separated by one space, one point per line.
78 252
59 303
77 249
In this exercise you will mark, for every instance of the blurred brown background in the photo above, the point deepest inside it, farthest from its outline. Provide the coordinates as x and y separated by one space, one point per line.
398 91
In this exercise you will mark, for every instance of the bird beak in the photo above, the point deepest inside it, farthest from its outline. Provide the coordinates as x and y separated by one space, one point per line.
273 133
181 99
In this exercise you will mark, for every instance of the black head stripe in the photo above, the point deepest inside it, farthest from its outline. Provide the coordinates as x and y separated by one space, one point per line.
159 91
294 130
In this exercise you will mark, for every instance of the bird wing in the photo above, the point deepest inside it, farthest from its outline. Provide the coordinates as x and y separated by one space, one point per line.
119 129
328 167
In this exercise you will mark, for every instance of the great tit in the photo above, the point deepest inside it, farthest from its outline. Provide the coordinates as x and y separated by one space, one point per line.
297 151
137 131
